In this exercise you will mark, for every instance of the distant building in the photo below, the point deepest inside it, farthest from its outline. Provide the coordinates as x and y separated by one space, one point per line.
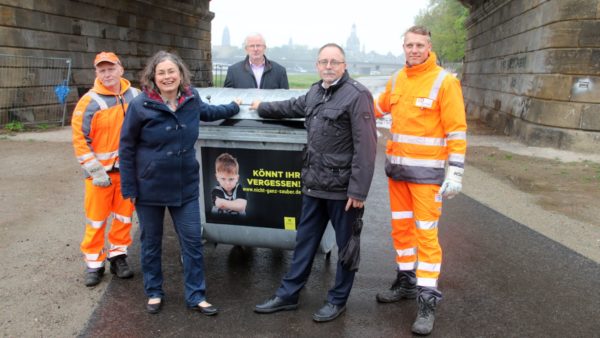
353 43
226 40
300 58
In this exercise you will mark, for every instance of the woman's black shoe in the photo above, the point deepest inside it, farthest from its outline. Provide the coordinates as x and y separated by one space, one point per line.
206 310
153 308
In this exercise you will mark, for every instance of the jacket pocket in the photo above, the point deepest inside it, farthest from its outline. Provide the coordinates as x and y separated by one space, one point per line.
337 161
336 172
332 114
148 169
334 122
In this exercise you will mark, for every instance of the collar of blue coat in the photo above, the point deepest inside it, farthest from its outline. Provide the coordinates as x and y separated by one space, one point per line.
154 95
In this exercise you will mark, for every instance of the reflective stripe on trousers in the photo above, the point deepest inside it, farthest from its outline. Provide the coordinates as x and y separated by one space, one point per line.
100 203
416 209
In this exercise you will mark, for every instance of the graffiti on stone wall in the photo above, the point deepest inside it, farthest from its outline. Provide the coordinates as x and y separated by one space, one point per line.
582 85
583 89
514 62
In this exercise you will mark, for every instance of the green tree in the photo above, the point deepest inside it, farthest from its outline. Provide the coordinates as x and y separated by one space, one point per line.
446 21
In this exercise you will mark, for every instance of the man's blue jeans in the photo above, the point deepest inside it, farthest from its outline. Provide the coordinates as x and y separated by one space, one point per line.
186 220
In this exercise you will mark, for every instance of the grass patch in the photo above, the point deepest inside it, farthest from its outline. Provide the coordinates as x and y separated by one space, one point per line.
14 126
302 81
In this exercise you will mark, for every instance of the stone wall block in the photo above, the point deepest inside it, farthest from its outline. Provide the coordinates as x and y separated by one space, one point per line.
590 117
577 9
541 136
473 95
473 110
85 11
550 11
563 34
90 28
18 3
41 21
585 89
125 20
7 16
144 50
571 61
550 87
554 113
590 33
82 77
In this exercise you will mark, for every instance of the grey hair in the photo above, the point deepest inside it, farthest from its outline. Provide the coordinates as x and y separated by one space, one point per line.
149 72
335 45
251 35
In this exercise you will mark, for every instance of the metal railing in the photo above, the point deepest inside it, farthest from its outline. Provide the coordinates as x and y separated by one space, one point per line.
219 71
33 90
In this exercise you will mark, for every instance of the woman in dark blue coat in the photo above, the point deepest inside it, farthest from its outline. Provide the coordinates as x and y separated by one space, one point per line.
159 170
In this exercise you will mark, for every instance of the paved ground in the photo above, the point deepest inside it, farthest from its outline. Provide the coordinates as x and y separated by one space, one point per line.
496 275
41 226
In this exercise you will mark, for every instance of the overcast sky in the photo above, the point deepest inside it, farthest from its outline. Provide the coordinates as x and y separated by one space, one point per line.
379 23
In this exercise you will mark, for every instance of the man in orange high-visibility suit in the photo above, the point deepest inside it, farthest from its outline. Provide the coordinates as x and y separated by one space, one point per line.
426 151
96 125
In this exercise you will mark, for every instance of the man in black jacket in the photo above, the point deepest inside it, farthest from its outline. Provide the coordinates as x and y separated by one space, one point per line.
256 71
337 169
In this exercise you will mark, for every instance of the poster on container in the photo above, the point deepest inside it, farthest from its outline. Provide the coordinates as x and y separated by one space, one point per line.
252 187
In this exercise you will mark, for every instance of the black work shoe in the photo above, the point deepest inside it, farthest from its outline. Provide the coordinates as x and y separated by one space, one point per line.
153 308
423 325
119 266
93 277
209 310
275 304
402 288
328 312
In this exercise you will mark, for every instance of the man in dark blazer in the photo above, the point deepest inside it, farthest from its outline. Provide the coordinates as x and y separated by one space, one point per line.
256 71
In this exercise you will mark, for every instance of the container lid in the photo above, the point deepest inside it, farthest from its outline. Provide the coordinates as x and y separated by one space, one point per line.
214 95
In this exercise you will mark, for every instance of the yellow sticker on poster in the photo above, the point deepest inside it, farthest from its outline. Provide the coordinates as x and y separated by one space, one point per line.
289 223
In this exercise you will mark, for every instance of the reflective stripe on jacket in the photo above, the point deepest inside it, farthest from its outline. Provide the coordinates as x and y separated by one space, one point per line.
96 124
428 123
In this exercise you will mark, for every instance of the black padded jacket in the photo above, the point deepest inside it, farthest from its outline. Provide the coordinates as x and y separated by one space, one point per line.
339 158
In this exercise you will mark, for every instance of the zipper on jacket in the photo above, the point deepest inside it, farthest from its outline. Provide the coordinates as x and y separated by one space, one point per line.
120 98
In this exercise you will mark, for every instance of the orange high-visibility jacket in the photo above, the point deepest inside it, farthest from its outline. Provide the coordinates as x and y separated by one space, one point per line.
428 123
96 124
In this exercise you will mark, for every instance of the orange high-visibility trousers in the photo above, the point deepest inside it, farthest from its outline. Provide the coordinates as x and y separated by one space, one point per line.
100 203
416 210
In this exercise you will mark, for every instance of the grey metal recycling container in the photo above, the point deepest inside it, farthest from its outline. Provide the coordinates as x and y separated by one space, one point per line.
269 154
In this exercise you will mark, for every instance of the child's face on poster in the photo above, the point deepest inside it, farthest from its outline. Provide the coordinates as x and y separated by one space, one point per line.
227 181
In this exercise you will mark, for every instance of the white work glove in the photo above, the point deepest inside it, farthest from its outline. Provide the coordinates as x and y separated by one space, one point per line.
99 176
453 182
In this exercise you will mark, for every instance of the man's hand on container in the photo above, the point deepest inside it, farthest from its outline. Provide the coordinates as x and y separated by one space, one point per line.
99 176
354 203
238 101
453 182
254 105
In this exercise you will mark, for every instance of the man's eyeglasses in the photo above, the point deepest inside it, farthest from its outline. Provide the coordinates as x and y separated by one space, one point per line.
333 63
255 46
